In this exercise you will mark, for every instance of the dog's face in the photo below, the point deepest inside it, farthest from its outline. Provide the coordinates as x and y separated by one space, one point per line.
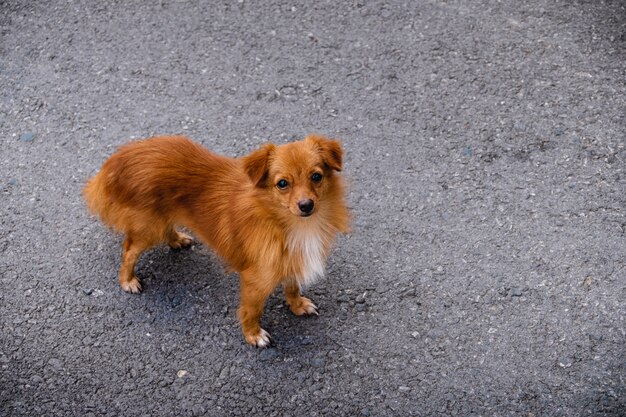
297 174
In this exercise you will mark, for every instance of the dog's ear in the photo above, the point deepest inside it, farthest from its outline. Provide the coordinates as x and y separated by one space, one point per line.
330 149
256 164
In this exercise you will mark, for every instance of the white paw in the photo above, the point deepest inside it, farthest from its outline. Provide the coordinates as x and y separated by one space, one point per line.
303 307
260 340
133 286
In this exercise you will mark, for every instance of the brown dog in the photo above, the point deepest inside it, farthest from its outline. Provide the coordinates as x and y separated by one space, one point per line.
272 215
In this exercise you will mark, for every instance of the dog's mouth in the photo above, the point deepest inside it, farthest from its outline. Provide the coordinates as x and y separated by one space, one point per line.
308 214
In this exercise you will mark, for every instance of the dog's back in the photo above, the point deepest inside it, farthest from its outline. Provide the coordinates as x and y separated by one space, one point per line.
151 180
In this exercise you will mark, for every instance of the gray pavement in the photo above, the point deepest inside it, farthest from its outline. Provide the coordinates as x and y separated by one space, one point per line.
485 150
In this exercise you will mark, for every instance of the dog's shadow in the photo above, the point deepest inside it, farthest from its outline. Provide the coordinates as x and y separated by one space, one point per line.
191 288
185 285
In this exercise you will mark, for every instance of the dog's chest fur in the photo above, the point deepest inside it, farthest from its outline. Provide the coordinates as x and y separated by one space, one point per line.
308 249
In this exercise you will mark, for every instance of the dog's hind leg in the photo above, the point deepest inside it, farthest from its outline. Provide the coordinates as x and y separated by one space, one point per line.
178 240
132 248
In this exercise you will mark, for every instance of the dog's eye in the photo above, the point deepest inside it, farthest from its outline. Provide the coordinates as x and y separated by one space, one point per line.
282 184
316 177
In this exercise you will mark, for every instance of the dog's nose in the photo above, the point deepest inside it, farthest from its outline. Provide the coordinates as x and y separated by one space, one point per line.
306 206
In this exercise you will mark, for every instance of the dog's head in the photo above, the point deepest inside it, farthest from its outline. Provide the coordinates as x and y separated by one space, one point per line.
299 174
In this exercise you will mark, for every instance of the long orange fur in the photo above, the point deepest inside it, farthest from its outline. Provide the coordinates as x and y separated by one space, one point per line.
238 207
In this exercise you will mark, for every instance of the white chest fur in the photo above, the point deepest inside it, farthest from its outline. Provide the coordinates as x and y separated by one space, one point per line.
308 247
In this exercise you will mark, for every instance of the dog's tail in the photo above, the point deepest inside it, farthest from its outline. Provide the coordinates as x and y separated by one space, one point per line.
96 196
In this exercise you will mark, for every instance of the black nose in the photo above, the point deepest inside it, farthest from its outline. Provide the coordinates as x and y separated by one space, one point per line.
305 206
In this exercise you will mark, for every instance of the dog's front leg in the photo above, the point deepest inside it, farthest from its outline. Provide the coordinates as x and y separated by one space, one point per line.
298 304
255 288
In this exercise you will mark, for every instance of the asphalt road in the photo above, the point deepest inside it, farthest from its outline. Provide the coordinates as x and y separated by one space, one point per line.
485 150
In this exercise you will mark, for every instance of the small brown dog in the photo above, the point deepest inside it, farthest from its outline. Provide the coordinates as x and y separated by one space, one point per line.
272 215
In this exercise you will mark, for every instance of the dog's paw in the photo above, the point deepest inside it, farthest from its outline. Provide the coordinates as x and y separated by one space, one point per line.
262 339
181 240
302 306
132 286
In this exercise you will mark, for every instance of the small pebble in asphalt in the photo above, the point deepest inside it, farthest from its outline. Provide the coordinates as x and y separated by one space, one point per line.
565 362
268 354
318 362
55 364
27 137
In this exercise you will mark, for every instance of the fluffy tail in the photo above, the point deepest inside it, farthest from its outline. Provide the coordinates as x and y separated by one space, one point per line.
96 196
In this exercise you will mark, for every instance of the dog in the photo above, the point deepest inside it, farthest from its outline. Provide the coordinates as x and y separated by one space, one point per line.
272 215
